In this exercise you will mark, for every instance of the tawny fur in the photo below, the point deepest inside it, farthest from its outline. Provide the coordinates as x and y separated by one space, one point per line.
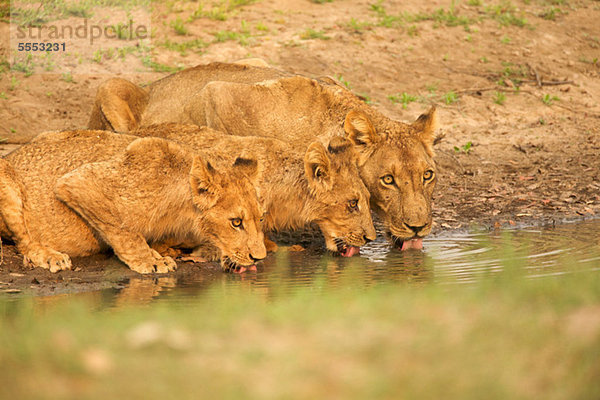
76 193
295 188
246 100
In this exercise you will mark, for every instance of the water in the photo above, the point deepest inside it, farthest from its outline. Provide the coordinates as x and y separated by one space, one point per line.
447 259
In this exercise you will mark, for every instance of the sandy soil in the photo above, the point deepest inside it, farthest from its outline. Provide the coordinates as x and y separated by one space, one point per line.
519 106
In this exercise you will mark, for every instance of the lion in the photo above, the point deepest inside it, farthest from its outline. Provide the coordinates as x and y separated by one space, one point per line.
76 193
321 185
396 160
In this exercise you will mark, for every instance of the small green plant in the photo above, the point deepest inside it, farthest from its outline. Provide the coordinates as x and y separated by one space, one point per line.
507 14
431 87
3 96
67 77
343 81
97 57
505 40
321 1
312 34
402 98
474 3
468 38
550 13
450 97
499 98
14 83
158 67
49 94
484 60
179 26
25 65
262 27
357 26
412 31
465 148
13 130
549 99
542 121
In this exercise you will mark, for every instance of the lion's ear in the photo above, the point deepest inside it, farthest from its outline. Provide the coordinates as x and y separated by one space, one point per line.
317 164
248 167
425 127
359 128
203 183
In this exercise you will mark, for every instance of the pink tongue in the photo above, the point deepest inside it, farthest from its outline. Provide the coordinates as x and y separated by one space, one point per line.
412 244
350 251
244 269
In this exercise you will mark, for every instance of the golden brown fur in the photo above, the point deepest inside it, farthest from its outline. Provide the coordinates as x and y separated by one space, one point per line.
246 100
76 193
295 188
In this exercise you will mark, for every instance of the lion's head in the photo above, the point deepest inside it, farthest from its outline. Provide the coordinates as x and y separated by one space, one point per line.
341 199
396 164
229 211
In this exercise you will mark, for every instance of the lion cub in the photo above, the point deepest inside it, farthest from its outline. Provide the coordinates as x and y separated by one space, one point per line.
75 193
320 185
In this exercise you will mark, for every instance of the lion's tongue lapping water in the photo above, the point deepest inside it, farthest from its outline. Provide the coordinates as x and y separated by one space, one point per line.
411 244
350 251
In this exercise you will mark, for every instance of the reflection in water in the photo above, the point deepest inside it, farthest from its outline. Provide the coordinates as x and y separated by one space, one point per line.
450 258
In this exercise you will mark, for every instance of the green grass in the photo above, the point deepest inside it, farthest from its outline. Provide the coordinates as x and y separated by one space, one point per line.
52 10
221 11
505 337
441 16
178 26
550 13
344 82
402 98
313 34
465 148
450 97
148 62
499 98
242 36
507 14
548 99
357 26
196 45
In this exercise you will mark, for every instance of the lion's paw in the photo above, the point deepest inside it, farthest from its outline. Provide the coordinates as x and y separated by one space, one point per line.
160 265
47 258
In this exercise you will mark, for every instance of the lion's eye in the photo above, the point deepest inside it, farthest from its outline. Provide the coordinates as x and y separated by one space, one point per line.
236 222
353 204
387 179
428 175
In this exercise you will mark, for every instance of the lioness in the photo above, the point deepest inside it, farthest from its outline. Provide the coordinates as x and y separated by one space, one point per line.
74 193
396 159
321 185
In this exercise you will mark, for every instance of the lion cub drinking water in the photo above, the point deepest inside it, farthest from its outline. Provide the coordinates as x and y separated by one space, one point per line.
320 184
74 193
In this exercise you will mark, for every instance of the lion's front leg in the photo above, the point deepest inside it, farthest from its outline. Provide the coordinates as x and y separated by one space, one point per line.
133 250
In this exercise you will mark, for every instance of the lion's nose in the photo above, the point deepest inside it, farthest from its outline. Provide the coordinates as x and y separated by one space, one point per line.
367 239
415 229
255 259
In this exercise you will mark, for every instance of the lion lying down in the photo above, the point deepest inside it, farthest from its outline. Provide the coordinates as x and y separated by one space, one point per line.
318 185
75 193
395 159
